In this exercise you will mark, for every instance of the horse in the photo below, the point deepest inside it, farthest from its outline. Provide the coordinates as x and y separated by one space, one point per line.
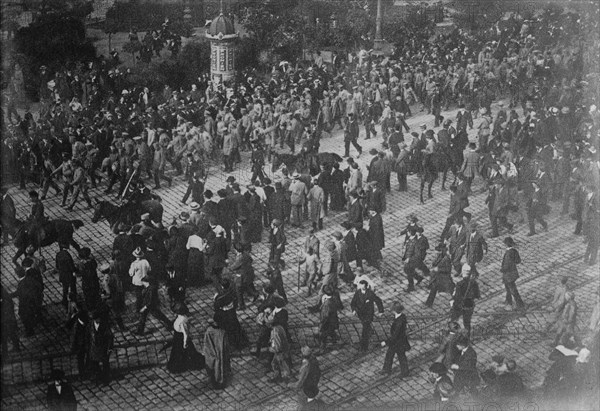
129 213
425 166
46 234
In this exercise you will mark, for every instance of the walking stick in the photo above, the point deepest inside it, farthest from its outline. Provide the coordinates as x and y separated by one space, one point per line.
298 272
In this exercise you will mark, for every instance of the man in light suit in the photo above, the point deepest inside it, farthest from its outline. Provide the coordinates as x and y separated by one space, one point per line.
470 166
298 193
397 343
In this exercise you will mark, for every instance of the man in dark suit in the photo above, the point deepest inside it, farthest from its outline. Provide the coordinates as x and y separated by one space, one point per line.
457 238
310 371
463 119
355 209
443 387
537 206
476 246
8 213
60 395
376 234
510 274
465 368
463 299
411 259
376 198
101 345
278 240
65 266
363 305
397 343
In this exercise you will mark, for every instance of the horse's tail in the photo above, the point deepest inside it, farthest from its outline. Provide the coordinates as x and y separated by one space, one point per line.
76 224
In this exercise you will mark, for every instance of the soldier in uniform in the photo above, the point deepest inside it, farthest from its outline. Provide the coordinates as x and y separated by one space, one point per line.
80 182
257 157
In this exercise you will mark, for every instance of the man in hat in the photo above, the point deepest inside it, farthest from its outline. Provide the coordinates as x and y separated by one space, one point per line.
329 321
65 266
397 343
457 238
441 280
277 239
101 345
150 305
30 294
351 135
376 234
310 372
86 268
476 246
195 188
80 182
363 305
37 217
443 387
186 229
138 270
466 375
447 351
158 166
510 274
463 299
8 214
412 259
298 192
537 206
370 115
355 209
60 395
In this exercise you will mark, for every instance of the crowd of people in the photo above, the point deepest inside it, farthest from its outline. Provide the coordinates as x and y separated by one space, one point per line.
96 127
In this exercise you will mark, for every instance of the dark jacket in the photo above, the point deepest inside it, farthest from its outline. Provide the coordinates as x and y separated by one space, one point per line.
509 265
376 232
467 372
101 341
65 267
364 304
355 212
65 401
350 241
398 338
465 294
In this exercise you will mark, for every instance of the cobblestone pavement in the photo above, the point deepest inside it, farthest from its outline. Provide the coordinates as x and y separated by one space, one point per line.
349 380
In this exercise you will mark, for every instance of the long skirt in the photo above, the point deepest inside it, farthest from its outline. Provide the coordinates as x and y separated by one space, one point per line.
183 359
195 267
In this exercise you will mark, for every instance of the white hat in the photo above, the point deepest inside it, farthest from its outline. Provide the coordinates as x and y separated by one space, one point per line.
194 206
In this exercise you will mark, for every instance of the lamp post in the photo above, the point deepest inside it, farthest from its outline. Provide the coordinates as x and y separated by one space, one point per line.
378 43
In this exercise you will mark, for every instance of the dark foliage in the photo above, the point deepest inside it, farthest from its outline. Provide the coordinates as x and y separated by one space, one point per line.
145 16
53 41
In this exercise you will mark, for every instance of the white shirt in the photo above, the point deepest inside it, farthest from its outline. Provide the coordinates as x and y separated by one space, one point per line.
138 270
195 241
180 324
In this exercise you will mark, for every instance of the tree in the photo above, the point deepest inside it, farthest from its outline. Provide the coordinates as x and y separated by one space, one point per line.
110 28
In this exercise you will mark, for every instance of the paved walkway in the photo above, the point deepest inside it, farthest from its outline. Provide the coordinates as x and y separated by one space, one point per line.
349 380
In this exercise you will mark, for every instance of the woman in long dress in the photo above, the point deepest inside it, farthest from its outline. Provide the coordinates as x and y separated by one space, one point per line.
225 306
217 354
183 354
